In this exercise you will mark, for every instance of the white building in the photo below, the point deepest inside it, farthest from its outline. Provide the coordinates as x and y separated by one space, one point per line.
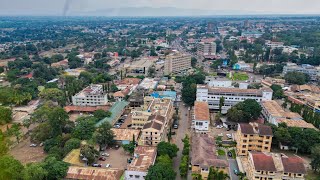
232 96
177 63
92 95
200 117
207 49
212 81
312 71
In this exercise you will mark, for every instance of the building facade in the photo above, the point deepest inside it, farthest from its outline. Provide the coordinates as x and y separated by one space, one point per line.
212 81
232 96
312 71
207 49
92 95
177 63
153 132
253 137
200 117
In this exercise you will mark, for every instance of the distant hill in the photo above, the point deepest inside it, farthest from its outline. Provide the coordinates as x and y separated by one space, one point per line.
162 11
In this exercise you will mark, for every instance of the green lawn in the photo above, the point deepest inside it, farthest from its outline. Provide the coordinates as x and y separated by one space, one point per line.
233 153
238 76
221 152
312 176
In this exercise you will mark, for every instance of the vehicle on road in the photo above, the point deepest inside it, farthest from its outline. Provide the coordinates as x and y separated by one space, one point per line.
108 165
229 153
219 127
96 165
235 171
105 154
229 136
102 158
33 145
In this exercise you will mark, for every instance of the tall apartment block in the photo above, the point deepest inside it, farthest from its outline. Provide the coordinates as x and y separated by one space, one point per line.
207 49
177 63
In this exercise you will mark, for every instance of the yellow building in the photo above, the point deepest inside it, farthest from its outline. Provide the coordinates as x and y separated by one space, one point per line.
203 156
253 137
153 131
177 63
270 166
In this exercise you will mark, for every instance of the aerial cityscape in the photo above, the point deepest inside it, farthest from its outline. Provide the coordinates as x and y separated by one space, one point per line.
159 90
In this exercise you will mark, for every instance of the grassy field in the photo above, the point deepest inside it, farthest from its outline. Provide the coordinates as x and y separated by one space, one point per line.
312 176
238 76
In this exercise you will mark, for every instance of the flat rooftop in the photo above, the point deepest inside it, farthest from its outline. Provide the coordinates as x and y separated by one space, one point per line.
144 157
297 123
277 111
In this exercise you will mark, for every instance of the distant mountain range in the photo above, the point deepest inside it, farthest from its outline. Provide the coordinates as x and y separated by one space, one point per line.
162 11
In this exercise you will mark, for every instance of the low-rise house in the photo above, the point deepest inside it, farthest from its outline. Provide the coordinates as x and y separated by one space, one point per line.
124 136
203 156
263 166
201 117
144 157
84 173
253 137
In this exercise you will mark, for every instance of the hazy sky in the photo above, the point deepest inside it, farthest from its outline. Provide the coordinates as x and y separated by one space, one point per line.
55 7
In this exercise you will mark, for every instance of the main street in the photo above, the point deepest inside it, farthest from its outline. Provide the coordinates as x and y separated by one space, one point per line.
183 129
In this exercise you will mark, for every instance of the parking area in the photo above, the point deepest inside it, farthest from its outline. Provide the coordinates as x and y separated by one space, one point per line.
117 158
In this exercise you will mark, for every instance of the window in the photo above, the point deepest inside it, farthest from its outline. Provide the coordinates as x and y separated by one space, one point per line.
265 147
243 151
155 133
137 176
131 176
244 141
245 135
268 137
244 146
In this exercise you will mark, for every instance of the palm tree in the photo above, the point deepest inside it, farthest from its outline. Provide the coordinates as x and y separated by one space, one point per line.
215 174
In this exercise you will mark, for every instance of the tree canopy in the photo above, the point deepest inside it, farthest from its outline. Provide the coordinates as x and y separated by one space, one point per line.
244 111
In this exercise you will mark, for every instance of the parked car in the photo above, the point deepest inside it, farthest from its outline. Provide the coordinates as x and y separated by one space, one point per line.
96 165
235 171
173 133
105 154
229 153
108 165
102 158
116 126
219 127
229 136
33 145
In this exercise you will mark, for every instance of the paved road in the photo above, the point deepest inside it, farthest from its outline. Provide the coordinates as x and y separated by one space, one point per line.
184 124
233 165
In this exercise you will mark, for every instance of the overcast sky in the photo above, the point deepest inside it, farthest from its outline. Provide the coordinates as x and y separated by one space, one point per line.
55 7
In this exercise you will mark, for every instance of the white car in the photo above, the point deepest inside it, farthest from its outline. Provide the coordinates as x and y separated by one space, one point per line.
108 165
105 154
229 136
219 127
33 145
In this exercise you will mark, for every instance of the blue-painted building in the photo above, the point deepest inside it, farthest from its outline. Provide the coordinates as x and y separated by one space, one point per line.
165 94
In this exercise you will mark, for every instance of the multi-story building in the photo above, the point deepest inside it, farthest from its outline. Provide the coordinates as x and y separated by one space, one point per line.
253 137
92 95
232 96
203 156
144 157
207 49
151 106
312 71
265 166
153 132
177 63
200 117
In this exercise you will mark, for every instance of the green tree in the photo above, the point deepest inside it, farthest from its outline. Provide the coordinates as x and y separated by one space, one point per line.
100 114
160 171
57 169
165 159
53 94
15 131
35 171
10 168
245 111
296 78
84 129
41 133
315 155
57 119
184 166
215 174
71 144
277 91
221 103
130 147
104 135
193 62
166 148
5 115
89 153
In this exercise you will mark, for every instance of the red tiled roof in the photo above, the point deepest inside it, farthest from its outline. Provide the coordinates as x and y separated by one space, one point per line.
85 108
263 162
293 165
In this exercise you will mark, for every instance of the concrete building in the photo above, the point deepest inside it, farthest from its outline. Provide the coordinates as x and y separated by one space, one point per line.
204 156
148 84
177 63
212 81
262 166
81 173
253 137
232 96
207 49
92 95
144 157
200 117
124 136
312 71
153 131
